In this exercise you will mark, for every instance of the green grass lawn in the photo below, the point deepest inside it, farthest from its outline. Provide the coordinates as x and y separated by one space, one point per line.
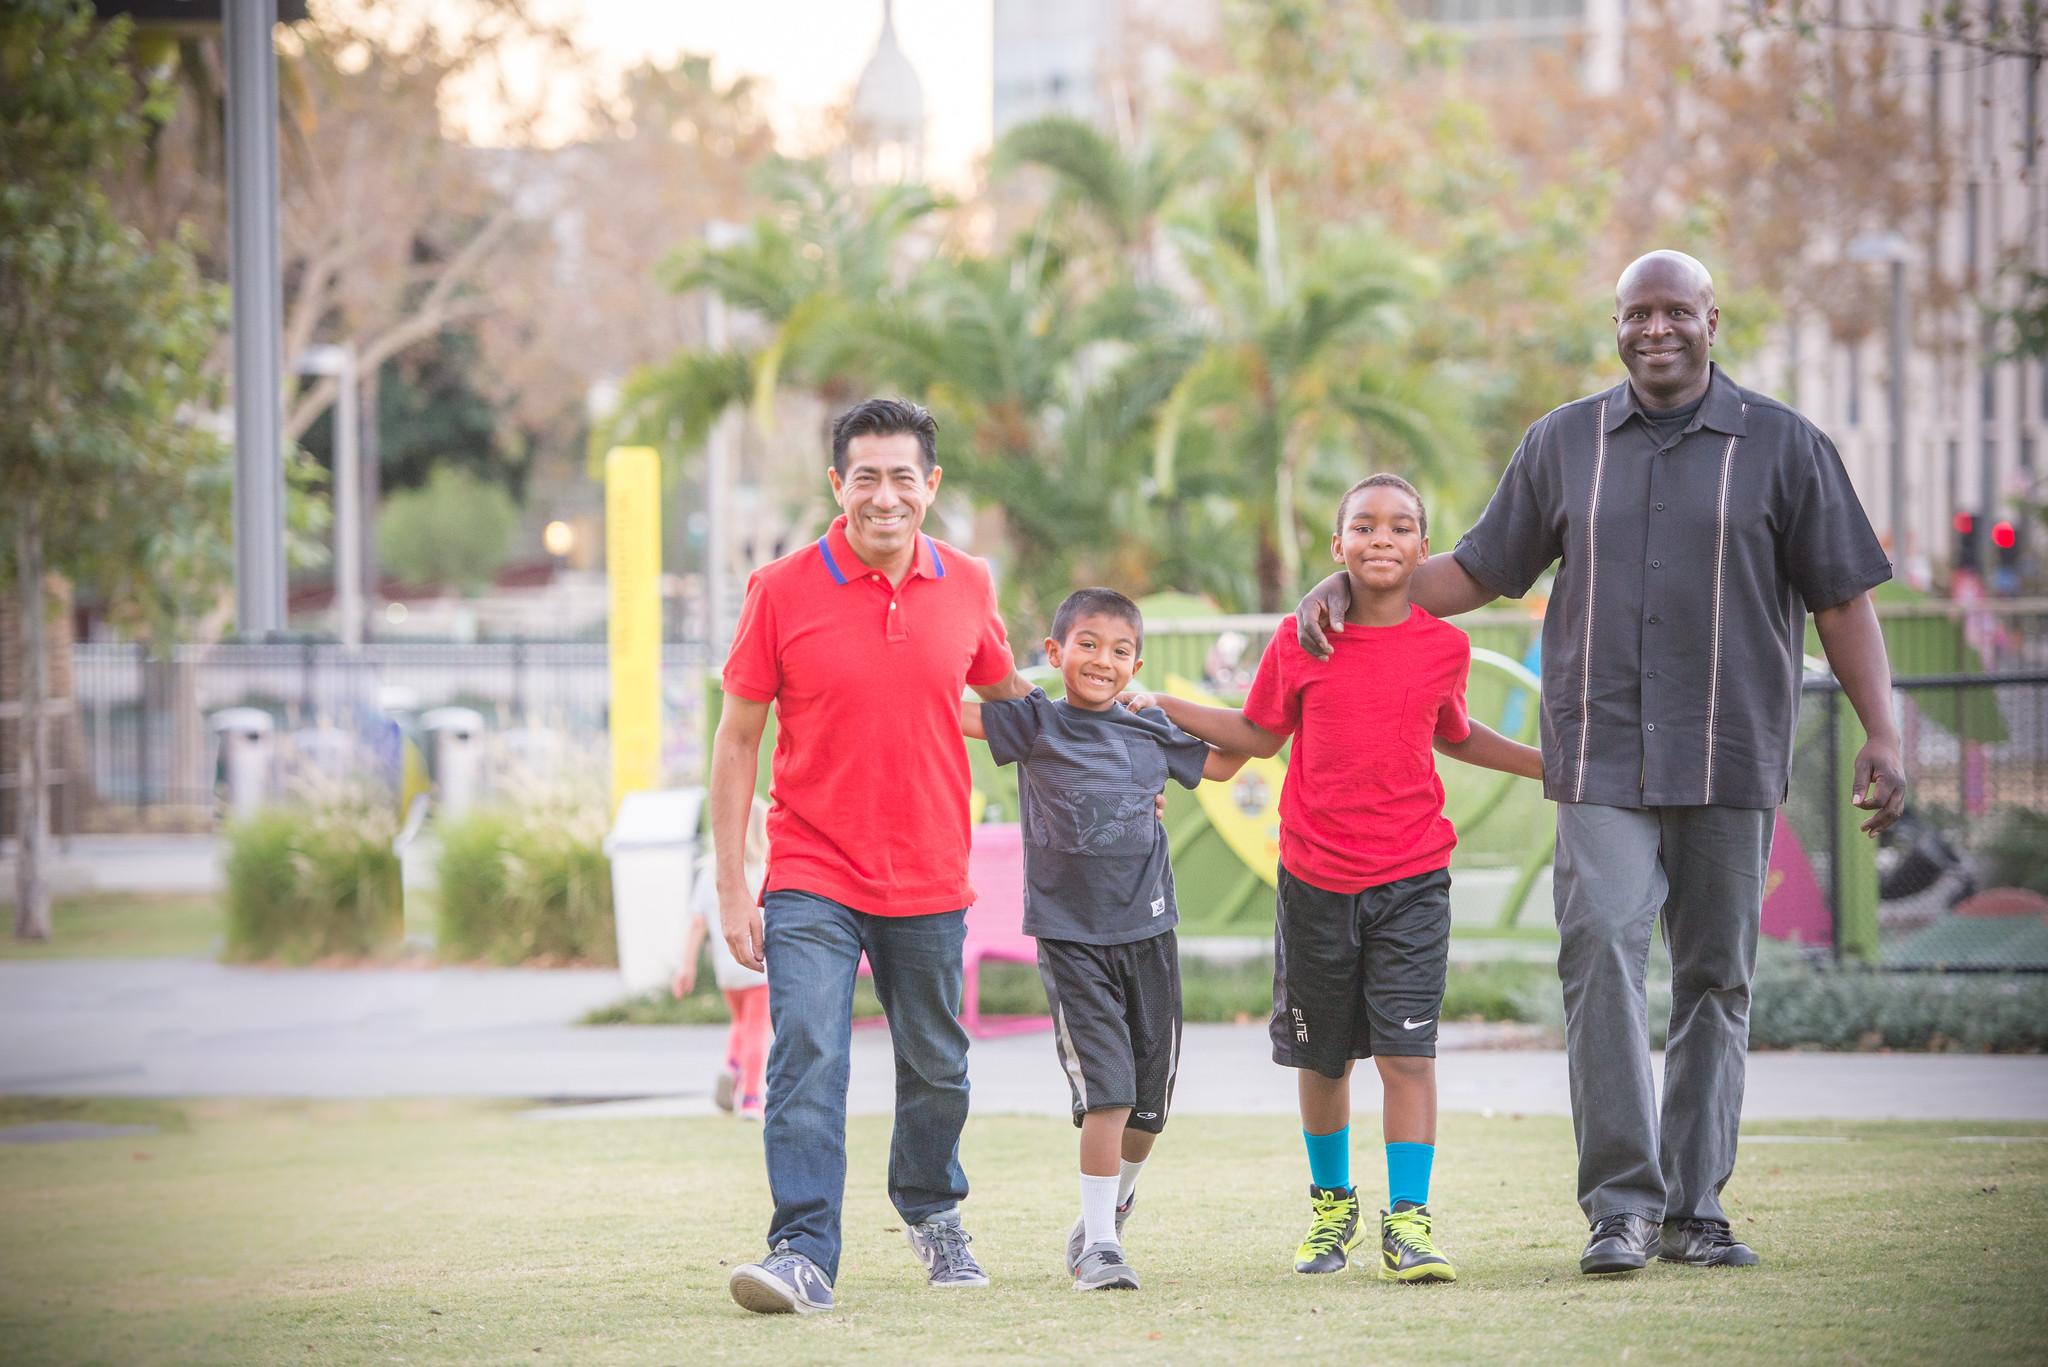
124 927
455 1233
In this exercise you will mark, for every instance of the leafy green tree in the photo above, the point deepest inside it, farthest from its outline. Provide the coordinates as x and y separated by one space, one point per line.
814 270
103 341
1304 377
454 531
1119 194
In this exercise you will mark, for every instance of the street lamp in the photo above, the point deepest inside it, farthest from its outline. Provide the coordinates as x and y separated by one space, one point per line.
1893 249
340 362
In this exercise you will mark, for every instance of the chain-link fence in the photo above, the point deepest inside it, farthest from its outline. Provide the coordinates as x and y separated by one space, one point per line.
1976 757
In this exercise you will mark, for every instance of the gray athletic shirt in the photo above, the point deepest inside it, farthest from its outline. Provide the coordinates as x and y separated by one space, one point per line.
1095 866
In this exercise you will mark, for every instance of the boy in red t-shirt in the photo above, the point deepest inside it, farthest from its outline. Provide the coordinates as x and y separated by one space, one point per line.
1362 939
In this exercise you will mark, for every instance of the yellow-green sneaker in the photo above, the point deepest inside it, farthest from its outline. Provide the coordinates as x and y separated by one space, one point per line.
1407 1254
1334 1230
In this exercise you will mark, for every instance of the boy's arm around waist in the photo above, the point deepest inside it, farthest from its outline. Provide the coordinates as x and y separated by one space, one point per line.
1226 728
1489 749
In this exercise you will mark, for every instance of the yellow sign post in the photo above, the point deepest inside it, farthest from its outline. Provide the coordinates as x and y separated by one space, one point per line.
632 553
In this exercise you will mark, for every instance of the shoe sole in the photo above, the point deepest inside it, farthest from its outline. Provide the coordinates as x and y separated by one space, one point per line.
722 1092
1605 1268
1415 1276
1698 1262
1117 1283
765 1296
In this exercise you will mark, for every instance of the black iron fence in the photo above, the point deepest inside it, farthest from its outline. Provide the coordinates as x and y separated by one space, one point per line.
141 748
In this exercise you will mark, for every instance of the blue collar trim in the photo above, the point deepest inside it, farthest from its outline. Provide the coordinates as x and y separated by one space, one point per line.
831 565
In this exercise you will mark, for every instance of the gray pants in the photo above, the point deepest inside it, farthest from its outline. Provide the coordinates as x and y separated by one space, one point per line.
1617 869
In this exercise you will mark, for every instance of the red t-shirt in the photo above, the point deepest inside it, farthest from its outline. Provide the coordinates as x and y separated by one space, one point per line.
870 775
1362 804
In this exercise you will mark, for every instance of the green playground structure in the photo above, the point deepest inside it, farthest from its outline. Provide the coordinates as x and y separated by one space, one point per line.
1223 837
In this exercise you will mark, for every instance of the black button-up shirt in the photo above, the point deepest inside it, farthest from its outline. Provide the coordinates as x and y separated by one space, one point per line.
1686 565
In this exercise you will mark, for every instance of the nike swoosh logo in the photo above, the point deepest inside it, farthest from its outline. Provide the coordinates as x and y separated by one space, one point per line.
1415 1025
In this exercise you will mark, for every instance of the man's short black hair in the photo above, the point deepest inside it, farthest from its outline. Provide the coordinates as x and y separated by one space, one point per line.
1093 603
885 418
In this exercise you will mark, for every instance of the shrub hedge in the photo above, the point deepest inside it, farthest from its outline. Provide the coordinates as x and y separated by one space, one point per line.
527 882
1796 1004
309 880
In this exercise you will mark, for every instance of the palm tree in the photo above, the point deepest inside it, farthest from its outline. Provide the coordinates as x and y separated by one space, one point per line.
814 269
1120 192
1301 366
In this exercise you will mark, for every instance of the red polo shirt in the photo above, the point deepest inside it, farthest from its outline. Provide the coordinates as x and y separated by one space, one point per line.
870 775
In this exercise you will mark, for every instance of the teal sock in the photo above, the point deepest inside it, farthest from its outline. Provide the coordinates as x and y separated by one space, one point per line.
1329 1158
1408 1173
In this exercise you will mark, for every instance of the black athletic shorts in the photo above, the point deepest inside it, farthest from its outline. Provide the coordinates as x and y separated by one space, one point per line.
1116 1023
1359 973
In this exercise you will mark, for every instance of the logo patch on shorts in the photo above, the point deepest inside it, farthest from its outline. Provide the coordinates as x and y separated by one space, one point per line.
1148 1115
1159 907
1300 1027
1412 1024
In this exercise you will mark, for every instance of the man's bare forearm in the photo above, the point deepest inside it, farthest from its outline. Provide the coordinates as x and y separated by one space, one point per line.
1854 644
735 759
1444 588
1016 686
1440 586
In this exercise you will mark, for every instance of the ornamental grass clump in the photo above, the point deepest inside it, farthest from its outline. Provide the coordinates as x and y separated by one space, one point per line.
315 878
528 880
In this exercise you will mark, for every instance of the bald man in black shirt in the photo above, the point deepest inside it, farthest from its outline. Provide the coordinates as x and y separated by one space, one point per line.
1694 524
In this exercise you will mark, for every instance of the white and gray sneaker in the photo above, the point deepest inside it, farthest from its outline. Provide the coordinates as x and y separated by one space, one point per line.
941 1245
1102 1268
1077 1237
783 1283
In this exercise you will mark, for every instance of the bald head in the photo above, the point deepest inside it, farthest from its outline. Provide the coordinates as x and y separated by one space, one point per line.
1670 271
1664 323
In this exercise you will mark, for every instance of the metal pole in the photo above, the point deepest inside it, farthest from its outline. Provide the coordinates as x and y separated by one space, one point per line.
1898 409
370 449
255 283
717 479
348 504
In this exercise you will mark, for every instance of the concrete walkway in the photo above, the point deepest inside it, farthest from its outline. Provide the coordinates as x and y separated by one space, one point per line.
185 1027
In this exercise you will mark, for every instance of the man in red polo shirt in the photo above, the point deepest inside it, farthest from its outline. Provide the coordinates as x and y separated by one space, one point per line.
864 642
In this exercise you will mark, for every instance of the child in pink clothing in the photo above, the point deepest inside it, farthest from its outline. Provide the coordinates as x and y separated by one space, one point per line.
740 1086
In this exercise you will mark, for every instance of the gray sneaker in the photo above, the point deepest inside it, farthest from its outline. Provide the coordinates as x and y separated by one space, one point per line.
1077 1237
783 1283
941 1245
1102 1268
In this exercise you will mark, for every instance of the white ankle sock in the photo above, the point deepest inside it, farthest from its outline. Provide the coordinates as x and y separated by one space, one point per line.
1127 1179
1098 1209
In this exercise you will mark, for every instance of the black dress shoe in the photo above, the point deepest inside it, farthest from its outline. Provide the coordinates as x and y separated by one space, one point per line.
1704 1243
1620 1243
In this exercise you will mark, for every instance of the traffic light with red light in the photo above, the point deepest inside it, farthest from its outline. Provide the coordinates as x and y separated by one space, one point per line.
1966 541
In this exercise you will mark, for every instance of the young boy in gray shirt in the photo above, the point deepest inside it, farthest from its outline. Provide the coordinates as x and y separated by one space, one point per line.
1098 894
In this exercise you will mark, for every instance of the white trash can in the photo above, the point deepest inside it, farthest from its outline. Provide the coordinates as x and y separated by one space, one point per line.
455 757
248 751
653 849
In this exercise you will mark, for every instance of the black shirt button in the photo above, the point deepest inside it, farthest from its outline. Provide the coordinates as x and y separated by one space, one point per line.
1650 727
1660 507
1653 674
1655 620
1656 564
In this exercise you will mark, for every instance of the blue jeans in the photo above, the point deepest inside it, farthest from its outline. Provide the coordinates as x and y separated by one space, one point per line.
813 950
